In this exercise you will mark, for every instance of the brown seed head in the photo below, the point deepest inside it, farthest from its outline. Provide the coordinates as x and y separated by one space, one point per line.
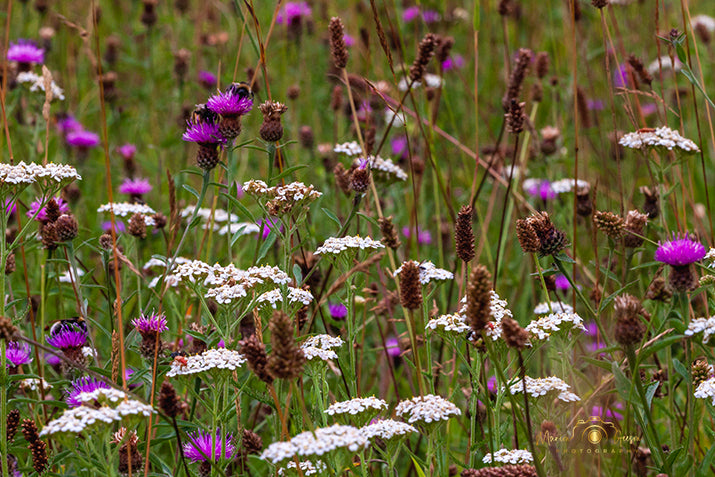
159 220
149 15
169 402
630 328
479 298
516 79
360 180
306 138
389 234
516 117
521 470
548 429
463 234
8 331
410 286
514 335
338 49
49 236
137 226
251 442
443 49
52 210
700 371
609 223
342 178
10 265
286 359
701 30
29 430
38 449
651 207
634 225
682 279
599 3
640 70
13 420
255 353
66 228
528 239
425 51
542 64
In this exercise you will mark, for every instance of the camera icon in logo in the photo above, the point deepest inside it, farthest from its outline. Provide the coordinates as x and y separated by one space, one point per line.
594 430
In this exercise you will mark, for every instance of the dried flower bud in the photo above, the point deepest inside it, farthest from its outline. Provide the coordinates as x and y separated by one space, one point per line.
111 52
13 421
609 223
640 70
360 180
509 470
255 353
463 234
582 107
516 117
29 430
425 51
169 402
700 371
272 128
306 137
630 328
149 15
658 291
651 206
251 442
66 228
516 79
286 359
159 220
542 64
338 49
336 98
479 298
389 234
528 239
52 210
599 3
514 335
137 226
410 286
633 228
701 30
105 241
444 48
10 265
49 237
584 204
682 279
342 178
293 92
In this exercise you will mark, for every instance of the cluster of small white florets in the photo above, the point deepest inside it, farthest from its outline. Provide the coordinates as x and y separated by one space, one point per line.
351 148
37 83
426 409
356 406
307 467
244 228
560 186
284 197
220 216
504 456
710 256
381 164
69 276
315 444
660 137
498 310
217 358
556 307
321 346
230 283
431 80
454 323
544 326
49 174
542 386
706 389
33 384
124 209
295 295
705 21
335 245
428 272
706 326
77 419
664 63
387 429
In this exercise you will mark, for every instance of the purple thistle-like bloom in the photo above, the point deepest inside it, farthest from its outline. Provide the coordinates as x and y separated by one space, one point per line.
424 237
135 186
17 353
608 413
120 227
42 214
203 133
392 345
85 384
233 102
337 310
399 147
561 282
267 225
349 41
82 139
201 444
648 109
621 76
68 124
430 16
410 14
594 105
25 51
127 151
68 335
10 207
455 61
293 12
150 324
680 251
53 359
542 190
207 79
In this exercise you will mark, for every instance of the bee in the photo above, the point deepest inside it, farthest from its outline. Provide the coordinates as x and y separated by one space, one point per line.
242 90
180 358
76 321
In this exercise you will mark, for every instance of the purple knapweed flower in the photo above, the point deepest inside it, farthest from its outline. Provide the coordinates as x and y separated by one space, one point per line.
42 214
648 109
135 187
621 77
10 207
410 14
203 128
430 16
337 310
267 225
207 79
562 283
453 62
68 335
680 251
542 190
119 226
235 101
85 384
594 105
150 323
492 384
203 446
17 353
349 40
392 346
608 412
68 124
399 147
82 139
293 12
52 359
25 51
127 151
424 237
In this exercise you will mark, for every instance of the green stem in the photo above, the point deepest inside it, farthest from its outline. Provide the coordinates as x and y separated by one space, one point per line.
3 399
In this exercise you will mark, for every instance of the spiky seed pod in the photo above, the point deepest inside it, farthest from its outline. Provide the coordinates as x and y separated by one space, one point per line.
609 223
255 353
13 420
463 234
66 227
640 70
630 328
528 239
272 128
10 264
286 359
410 286
425 51
542 64
338 49
682 279
8 331
551 240
342 178
516 79
522 470
137 226
658 291
700 371
52 210
599 3
38 449
516 117
251 442
479 298
633 227
514 335
360 180
389 234
207 156
29 430
105 241
651 207
169 402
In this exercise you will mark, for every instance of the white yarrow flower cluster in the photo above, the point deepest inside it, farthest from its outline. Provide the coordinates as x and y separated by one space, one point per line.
544 326
284 197
295 295
37 83
660 137
217 358
124 209
426 409
307 467
387 429
321 346
454 323
220 216
562 186
542 386
69 276
504 456
428 272
706 326
556 307
706 389
710 256
335 245
311 445
351 148
705 21
665 63
357 406
49 174
33 384
244 228
389 168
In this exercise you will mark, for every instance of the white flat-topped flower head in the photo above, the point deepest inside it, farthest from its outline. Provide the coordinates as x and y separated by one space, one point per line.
427 409
542 386
514 457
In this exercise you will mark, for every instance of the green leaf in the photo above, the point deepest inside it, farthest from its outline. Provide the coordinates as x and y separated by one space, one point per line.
191 190
704 469
235 202
419 470
598 362
332 217
270 240
623 384
298 274
369 219
288 172
681 369
650 392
